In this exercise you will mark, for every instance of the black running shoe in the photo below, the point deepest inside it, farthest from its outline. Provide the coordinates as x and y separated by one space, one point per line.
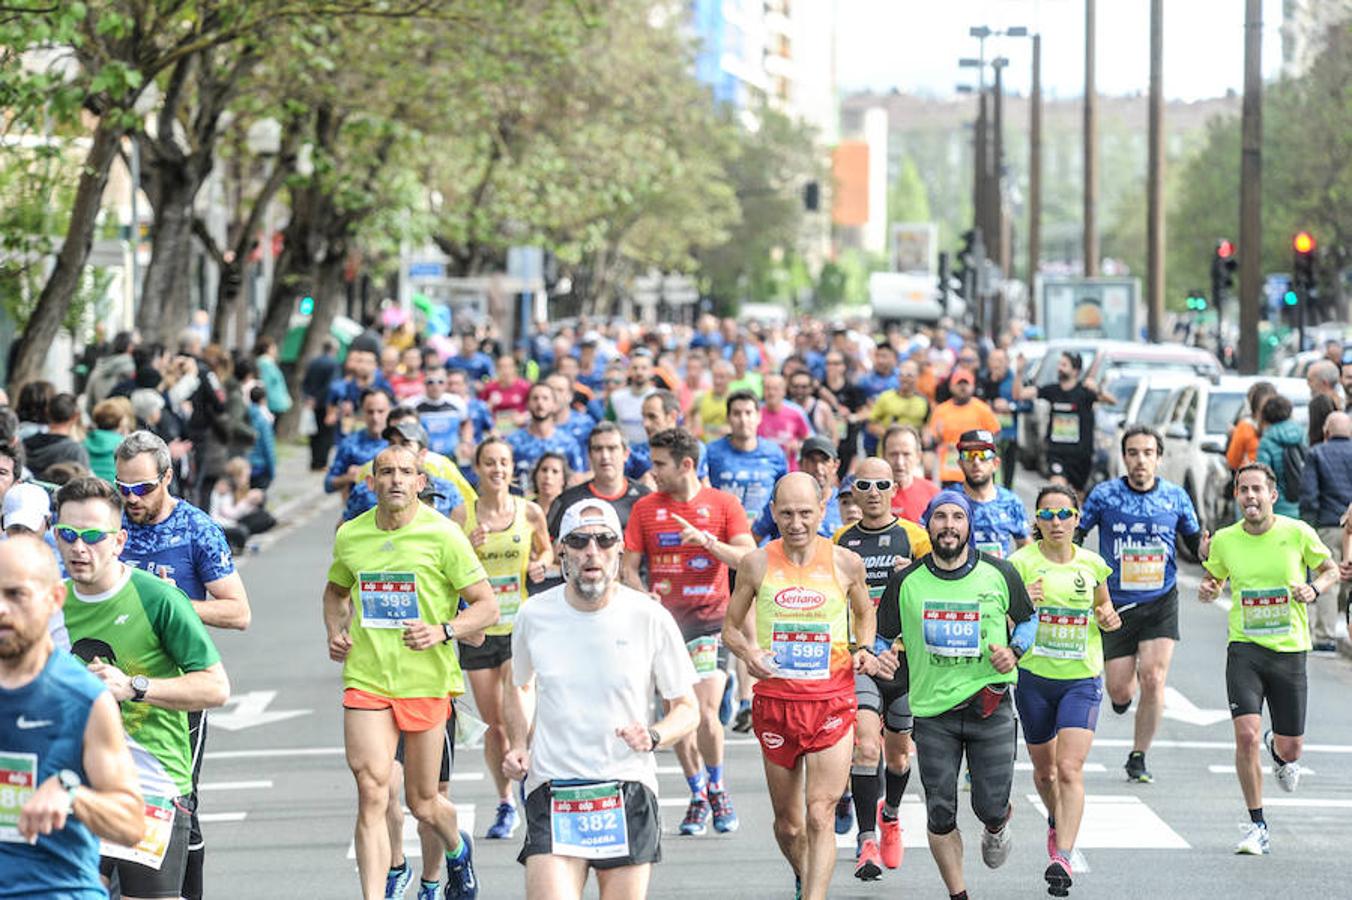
1136 770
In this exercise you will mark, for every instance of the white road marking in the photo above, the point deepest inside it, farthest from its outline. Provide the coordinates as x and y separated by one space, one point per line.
911 814
1179 707
235 786
670 770
1308 802
1267 770
1088 767
412 846
281 752
222 817
250 709
1121 822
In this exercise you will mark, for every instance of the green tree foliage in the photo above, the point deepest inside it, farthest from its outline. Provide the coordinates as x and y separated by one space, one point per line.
907 198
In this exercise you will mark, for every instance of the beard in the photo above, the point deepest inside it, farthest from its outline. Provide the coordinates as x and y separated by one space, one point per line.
591 589
978 481
17 644
947 552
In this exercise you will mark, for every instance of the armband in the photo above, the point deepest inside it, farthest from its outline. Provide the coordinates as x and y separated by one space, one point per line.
1024 634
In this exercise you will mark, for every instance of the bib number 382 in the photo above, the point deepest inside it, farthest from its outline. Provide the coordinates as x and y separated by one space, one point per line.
587 821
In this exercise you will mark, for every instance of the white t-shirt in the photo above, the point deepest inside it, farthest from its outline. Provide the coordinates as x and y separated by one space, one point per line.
595 672
628 406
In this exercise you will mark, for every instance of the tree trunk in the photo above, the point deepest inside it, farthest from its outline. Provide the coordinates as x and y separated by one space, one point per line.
229 290
329 293
164 302
294 270
57 293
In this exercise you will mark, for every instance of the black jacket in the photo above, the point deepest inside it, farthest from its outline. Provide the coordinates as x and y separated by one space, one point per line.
1326 483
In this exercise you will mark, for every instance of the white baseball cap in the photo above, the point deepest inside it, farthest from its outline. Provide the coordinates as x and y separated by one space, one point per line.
27 505
590 512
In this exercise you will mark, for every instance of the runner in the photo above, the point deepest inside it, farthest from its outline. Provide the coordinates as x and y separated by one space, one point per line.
661 410
901 447
1267 559
1060 684
138 635
805 592
540 436
173 539
406 563
359 446
443 475
511 539
709 413
575 424
817 457
65 786
591 741
883 727
445 415
999 525
743 464
625 403
950 610
607 454
690 536
1140 518
960 414
1070 427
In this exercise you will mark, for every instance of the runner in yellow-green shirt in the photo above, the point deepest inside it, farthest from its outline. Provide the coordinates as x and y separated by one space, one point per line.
390 610
1060 677
1267 559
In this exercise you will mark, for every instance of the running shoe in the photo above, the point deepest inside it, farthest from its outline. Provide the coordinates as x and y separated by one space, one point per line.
504 824
844 813
397 882
1136 770
1255 840
461 883
1288 773
797 887
696 821
725 817
890 846
868 862
995 846
427 890
741 723
1058 876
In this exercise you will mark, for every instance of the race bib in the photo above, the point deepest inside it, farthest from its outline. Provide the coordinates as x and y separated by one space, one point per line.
504 423
950 462
587 821
507 588
1062 632
991 548
1065 428
704 654
952 627
151 850
802 650
1143 567
1006 420
1266 612
18 781
388 599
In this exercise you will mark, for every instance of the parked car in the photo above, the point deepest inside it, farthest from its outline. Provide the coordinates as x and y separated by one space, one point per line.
1152 390
1102 359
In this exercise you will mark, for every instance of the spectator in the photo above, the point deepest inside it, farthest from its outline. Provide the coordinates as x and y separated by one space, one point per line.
63 472
113 421
111 369
1325 493
320 372
1321 407
1243 446
154 416
270 373
57 443
237 507
263 456
1322 377
219 427
781 423
11 466
32 409
1282 437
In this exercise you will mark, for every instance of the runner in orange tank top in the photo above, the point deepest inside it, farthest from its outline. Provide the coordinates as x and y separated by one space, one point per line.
805 592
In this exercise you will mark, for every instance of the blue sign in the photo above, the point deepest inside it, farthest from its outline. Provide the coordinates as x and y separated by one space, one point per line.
426 270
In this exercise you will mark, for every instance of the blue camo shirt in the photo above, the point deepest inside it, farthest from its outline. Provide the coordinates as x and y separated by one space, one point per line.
750 476
579 426
188 547
357 449
873 384
481 417
641 460
443 429
361 498
527 448
1140 530
997 523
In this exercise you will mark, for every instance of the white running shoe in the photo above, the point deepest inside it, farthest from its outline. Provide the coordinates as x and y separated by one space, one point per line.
1255 840
995 847
1288 774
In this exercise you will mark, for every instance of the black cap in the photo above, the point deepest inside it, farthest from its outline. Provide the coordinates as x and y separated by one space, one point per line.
818 444
978 439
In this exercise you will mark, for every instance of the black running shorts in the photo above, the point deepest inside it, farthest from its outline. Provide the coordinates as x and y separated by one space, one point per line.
137 880
642 820
1254 674
1147 622
876 696
493 652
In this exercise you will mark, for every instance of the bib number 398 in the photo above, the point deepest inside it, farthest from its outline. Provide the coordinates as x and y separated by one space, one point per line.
587 821
953 627
388 599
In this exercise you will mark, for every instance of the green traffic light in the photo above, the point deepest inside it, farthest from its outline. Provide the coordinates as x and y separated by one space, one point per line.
1290 298
307 306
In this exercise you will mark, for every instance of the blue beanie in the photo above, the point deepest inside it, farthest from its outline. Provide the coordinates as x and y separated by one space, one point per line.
956 498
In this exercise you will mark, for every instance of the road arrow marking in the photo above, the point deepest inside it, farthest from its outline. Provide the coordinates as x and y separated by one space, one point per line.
1176 706
249 710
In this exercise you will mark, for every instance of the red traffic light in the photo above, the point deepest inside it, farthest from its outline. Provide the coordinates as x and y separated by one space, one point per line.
1303 242
1224 249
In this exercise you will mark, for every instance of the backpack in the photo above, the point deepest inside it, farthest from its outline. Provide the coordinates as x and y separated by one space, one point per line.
1293 469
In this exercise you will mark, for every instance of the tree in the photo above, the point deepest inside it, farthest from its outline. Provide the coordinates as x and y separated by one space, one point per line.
907 199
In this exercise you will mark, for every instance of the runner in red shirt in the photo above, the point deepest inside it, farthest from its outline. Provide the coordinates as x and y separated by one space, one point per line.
900 446
691 535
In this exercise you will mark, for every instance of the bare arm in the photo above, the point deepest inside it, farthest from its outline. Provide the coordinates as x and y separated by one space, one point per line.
759 663
542 554
682 718
460 515
481 612
227 604
629 571
729 552
192 691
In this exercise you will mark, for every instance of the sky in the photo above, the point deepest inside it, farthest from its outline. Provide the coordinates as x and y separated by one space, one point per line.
915 45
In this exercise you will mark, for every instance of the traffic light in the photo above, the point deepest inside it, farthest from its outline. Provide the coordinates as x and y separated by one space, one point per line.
1196 301
307 306
1303 262
969 259
1290 298
1223 266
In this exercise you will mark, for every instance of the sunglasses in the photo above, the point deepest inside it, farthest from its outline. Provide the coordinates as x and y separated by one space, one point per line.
91 536
1060 512
579 541
867 484
434 381
139 488
977 455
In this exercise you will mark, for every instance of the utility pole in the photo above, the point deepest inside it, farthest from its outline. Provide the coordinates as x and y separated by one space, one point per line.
1154 241
997 198
1091 244
1035 179
1250 187
981 180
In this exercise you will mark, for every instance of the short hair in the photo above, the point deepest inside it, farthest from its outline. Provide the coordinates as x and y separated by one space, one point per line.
537 385
145 402
139 442
122 341
400 413
1138 430
62 472
900 428
668 400
111 413
372 391
817 486
607 427
680 443
9 425
1074 359
15 452
32 401
62 408
258 393
884 345
1270 475
88 487
1324 370
742 396
263 345
1276 409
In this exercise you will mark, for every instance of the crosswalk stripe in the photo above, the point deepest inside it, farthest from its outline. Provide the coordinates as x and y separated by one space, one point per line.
1309 802
911 814
1088 767
1267 770
222 817
412 846
1120 822
235 786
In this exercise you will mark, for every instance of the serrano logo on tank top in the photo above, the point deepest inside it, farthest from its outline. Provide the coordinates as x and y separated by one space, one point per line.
799 598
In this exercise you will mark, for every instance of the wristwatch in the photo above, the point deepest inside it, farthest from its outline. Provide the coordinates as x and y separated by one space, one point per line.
70 781
139 685
655 738
448 632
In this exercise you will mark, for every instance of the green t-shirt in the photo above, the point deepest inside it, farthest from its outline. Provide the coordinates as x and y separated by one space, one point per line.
414 573
1068 644
1261 569
145 626
947 621
752 382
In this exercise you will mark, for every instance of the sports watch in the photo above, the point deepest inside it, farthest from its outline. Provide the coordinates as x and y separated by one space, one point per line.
139 685
70 781
448 633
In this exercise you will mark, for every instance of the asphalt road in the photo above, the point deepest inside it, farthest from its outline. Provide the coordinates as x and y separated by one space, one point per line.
278 800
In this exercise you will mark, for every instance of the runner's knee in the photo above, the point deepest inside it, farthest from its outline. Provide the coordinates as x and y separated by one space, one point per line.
1152 678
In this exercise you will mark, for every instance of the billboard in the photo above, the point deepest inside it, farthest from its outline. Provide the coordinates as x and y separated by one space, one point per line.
1091 308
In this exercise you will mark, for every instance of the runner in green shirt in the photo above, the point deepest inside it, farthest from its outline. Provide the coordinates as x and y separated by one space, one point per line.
1268 560
1060 678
